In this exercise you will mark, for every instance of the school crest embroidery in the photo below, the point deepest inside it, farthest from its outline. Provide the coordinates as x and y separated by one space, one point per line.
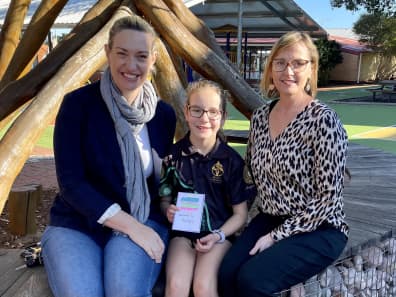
217 172
217 169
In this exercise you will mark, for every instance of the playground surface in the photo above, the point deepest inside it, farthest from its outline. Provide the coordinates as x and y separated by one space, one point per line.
372 124
369 205
369 196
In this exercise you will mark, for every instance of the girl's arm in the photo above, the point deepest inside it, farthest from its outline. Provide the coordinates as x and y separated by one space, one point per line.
232 225
165 203
236 221
167 208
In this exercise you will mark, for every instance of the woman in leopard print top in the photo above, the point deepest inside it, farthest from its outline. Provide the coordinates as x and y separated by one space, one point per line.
296 156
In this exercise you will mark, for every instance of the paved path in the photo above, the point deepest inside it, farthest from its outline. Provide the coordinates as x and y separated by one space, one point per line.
39 169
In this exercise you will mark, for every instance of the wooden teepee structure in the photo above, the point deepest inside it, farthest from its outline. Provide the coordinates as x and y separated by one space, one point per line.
30 99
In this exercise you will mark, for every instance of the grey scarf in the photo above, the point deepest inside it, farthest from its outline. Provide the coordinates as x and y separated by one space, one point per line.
128 121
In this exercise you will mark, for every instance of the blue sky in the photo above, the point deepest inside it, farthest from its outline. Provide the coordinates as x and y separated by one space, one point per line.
328 17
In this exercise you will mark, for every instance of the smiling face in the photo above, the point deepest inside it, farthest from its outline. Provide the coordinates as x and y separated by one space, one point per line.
291 82
130 59
202 128
291 48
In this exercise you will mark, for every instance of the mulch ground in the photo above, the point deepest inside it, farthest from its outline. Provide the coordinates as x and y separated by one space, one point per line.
37 170
8 240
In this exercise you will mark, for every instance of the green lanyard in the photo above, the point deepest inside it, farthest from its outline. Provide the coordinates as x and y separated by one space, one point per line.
188 188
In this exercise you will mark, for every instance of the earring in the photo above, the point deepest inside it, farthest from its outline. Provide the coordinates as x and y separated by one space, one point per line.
307 87
271 86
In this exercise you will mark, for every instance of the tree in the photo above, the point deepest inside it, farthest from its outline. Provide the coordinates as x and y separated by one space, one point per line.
329 56
387 7
378 31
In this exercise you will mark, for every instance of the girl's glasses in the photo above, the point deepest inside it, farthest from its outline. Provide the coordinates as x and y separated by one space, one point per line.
297 65
197 112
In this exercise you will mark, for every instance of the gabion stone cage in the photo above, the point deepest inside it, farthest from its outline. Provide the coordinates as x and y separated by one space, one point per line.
369 272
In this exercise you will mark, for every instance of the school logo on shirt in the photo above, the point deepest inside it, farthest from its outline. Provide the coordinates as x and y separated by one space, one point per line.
217 169
247 177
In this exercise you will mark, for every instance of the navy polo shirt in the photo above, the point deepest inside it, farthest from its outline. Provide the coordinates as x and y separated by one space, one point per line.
218 175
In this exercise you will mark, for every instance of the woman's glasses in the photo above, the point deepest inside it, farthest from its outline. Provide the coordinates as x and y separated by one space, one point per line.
297 65
197 112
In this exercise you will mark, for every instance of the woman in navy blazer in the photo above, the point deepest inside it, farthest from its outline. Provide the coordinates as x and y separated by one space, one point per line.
106 235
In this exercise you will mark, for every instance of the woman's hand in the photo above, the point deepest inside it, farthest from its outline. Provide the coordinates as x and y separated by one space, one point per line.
170 212
205 244
149 241
262 243
143 236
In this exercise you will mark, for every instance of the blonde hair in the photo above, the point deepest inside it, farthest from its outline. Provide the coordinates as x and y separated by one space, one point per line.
132 22
289 39
202 83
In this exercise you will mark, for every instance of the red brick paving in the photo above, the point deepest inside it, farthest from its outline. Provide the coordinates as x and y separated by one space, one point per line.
39 169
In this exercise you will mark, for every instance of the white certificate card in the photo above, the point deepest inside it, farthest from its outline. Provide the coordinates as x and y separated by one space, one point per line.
189 216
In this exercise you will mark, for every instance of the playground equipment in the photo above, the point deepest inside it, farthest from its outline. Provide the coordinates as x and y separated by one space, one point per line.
31 99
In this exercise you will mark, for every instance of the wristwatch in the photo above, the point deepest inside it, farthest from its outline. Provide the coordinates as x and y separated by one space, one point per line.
221 234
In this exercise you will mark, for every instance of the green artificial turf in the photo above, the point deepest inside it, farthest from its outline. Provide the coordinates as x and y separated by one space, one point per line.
357 118
46 138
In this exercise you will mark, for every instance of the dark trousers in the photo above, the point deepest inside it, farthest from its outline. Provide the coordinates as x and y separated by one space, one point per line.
288 262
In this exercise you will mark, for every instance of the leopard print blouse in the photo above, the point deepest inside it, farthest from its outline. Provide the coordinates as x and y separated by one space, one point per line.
300 174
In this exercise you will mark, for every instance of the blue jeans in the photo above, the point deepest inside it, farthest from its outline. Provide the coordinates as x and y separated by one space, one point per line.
77 267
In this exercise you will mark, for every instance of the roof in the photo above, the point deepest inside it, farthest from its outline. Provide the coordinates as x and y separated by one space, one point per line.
348 40
70 15
343 32
351 46
265 18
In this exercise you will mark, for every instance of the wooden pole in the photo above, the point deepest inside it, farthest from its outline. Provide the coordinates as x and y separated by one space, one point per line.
199 29
33 38
11 31
18 92
239 47
19 140
169 87
12 116
199 56
22 205
196 26
179 65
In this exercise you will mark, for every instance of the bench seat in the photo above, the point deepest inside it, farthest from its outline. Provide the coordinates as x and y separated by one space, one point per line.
374 91
383 91
388 93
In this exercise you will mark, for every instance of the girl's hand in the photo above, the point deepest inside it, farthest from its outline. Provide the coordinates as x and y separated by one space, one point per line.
170 212
206 243
262 243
